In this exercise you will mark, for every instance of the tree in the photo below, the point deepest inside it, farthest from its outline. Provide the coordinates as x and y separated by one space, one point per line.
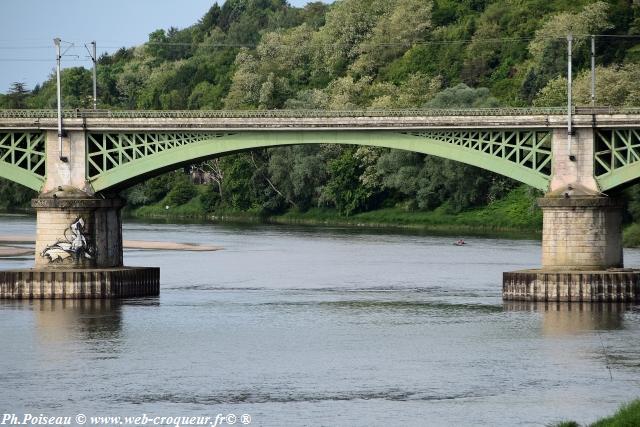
77 87
348 23
416 91
406 22
246 83
210 19
462 96
215 172
592 19
400 171
17 95
13 195
205 96
344 189
131 81
241 183
181 191
298 174
615 85
548 48
346 93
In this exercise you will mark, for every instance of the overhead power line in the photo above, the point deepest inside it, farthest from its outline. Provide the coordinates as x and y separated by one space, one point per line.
39 60
18 47
421 42
388 44
362 44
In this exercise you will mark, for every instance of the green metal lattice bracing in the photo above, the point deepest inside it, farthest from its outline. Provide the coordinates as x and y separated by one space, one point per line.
307 113
23 158
120 159
617 157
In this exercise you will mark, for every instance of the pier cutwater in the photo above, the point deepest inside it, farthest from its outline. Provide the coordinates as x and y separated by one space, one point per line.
78 174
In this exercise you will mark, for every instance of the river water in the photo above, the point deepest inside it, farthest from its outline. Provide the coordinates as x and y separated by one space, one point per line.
326 326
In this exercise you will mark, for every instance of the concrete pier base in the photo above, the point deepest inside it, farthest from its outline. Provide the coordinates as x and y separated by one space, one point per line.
78 252
581 254
615 285
581 233
94 283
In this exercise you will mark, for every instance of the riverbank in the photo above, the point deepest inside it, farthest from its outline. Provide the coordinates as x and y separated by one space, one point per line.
516 215
627 415
513 215
8 250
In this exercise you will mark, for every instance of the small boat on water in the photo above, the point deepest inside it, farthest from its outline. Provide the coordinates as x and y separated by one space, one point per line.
460 242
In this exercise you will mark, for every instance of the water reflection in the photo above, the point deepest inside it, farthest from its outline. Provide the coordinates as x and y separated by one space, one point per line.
571 318
95 323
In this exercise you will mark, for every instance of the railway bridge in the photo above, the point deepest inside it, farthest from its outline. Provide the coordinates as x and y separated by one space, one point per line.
578 158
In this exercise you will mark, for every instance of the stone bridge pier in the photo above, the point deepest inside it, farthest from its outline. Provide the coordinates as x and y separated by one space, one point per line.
582 257
78 250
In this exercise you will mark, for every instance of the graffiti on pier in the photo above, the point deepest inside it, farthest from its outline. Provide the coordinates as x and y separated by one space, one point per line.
75 244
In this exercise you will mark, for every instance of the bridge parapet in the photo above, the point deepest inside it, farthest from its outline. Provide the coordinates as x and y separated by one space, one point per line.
300 113
497 118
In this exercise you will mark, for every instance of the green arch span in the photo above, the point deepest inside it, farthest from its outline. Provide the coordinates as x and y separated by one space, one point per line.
21 176
129 173
619 177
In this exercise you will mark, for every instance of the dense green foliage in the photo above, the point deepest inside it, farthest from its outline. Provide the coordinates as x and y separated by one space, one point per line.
14 196
627 416
265 54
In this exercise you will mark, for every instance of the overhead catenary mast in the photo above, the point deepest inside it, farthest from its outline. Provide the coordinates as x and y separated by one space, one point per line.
94 59
593 71
56 42
569 101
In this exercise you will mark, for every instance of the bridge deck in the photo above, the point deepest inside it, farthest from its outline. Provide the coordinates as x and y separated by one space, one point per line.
319 120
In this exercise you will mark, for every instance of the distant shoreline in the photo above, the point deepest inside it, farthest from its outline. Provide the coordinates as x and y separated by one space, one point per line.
8 250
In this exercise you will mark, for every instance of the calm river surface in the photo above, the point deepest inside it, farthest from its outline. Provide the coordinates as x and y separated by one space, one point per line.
320 327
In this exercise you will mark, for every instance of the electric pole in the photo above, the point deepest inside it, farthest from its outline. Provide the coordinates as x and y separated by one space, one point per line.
94 58
56 42
569 85
593 71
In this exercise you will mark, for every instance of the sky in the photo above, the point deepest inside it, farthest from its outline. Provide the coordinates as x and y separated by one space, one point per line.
27 53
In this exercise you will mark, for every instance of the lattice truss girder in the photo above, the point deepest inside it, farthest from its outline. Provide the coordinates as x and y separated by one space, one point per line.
106 151
528 148
25 150
615 148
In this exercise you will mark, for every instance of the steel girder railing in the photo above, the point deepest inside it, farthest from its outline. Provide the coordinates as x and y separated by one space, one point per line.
204 114
212 114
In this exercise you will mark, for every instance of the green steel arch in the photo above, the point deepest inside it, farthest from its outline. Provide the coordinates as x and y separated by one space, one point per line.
120 159
23 157
616 157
